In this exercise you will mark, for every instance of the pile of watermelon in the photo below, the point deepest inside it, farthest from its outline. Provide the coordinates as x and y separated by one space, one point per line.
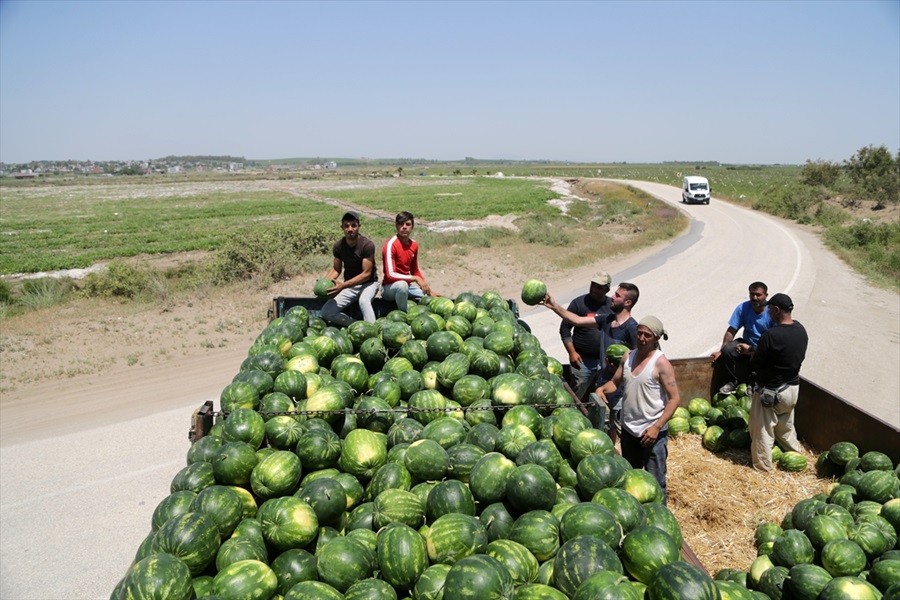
432 454
840 545
723 424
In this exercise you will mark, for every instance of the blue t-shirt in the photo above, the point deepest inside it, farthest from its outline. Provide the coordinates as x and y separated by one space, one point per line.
753 324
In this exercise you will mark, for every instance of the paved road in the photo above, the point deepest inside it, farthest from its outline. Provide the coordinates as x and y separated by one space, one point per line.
694 284
55 545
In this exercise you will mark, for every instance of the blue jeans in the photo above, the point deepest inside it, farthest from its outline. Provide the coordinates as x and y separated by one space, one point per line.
585 376
652 458
400 292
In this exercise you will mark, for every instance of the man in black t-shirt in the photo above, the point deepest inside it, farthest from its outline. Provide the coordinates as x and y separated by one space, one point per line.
584 341
776 367
354 254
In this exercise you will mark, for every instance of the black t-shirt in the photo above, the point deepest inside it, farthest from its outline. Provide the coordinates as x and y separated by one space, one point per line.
588 341
352 258
779 354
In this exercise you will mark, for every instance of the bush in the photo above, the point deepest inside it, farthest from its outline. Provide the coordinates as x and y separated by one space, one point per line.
791 201
6 296
877 246
120 280
44 292
820 173
876 173
271 253
544 232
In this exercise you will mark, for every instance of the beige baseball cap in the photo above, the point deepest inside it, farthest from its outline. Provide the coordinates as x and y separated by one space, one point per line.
601 278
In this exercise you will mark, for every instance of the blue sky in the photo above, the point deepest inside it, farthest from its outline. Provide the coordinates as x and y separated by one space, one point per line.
739 82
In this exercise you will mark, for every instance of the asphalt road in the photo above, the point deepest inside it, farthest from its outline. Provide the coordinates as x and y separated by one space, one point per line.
54 544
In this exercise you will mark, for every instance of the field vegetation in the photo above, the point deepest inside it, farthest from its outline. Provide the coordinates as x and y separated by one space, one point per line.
267 230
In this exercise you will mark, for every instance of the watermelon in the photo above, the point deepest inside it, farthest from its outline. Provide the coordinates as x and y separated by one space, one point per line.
579 558
173 505
313 590
293 566
876 461
792 548
538 531
222 505
318 449
240 548
806 582
283 432
446 431
607 585
240 394
362 453
193 537
879 486
870 538
343 560
442 344
159 576
713 438
276 475
478 577
661 517
463 457
645 549
489 476
402 555
823 529
849 588
643 486
597 472
680 580
455 536
426 460
497 521
287 522
772 581
627 510
245 425
449 496
842 453
516 558
588 442
792 461
884 573
843 557
543 453
539 591
530 487
321 287
430 585
397 506
327 498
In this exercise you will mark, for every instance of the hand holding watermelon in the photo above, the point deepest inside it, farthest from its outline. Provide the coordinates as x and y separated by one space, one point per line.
320 289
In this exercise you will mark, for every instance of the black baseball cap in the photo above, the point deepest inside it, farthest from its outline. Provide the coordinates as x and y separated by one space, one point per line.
782 301
350 215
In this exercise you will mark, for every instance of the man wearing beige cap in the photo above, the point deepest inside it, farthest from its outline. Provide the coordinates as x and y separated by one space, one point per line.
649 399
584 341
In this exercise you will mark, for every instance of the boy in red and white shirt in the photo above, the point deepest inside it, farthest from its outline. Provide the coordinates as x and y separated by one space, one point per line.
402 277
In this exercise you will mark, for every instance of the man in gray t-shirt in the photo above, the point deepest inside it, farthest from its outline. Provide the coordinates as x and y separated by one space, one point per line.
354 254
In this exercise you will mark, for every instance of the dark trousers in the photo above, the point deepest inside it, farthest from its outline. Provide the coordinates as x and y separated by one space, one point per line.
730 363
651 458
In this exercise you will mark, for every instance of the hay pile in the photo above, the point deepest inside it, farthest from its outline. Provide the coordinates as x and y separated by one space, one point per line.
719 499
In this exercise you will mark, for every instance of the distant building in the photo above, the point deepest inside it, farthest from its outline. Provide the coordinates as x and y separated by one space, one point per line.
235 166
175 169
330 165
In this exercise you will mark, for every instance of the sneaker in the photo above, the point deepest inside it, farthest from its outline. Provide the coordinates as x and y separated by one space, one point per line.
728 388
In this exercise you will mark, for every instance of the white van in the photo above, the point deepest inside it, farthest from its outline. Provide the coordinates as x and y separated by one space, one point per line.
695 189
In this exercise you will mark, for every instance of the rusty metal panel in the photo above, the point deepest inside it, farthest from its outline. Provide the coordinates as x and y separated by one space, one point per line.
823 418
694 377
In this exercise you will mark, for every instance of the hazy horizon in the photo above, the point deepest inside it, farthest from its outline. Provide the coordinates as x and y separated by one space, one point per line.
588 82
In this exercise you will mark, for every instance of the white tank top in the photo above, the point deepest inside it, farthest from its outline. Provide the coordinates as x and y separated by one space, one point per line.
643 400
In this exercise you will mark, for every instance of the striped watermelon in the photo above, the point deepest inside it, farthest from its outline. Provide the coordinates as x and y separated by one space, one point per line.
646 549
276 475
343 560
478 577
453 537
370 589
241 548
489 477
159 576
538 531
313 590
679 581
430 585
397 506
591 519
518 560
287 522
293 566
579 558
193 537
608 585
449 496
402 555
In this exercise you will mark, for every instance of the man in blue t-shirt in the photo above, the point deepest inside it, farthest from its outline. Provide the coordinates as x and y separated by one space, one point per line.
752 317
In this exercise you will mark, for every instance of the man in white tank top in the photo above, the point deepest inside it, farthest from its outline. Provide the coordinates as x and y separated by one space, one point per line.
650 397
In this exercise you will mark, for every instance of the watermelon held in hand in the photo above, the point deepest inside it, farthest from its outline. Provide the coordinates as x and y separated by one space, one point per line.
320 289
533 292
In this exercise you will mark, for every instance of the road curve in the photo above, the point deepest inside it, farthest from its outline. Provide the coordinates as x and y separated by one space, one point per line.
694 283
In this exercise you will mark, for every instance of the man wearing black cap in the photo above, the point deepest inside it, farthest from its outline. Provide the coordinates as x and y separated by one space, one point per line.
776 366
354 254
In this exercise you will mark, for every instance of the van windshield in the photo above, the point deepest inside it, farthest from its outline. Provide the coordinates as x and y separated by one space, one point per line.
698 186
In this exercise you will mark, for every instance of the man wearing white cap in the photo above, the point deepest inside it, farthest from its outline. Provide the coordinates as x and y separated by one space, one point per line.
584 341
354 254
650 397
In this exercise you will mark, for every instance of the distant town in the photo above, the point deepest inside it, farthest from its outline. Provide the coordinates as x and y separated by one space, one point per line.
170 164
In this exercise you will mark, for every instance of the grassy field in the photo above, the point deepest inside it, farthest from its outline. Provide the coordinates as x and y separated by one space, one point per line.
77 226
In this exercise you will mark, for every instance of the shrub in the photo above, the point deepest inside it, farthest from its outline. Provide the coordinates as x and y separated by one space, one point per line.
876 173
792 201
6 296
44 292
544 232
820 172
273 252
120 280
